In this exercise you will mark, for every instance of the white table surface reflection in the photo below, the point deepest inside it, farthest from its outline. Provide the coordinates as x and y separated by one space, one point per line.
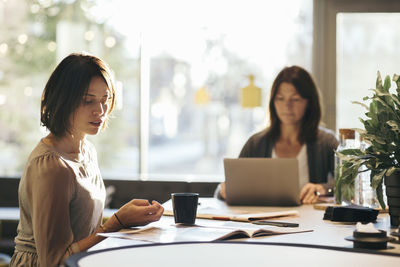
230 254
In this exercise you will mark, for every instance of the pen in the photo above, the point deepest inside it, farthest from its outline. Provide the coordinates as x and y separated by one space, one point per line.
276 223
220 218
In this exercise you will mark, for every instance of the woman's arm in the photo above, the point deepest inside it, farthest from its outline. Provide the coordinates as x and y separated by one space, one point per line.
49 192
220 191
51 189
136 212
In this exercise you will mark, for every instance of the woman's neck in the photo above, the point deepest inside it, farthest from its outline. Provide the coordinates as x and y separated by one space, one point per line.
288 145
68 143
289 134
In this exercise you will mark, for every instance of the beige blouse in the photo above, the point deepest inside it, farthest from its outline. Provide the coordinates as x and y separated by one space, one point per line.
61 201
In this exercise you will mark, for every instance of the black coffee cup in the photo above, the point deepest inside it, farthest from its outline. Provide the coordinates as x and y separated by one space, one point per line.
185 207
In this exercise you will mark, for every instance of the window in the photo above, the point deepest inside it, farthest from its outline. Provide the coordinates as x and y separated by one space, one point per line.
179 66
366 43
353 40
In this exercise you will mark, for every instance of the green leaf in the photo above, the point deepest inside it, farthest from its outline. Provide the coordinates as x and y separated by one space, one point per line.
379 195
380 92
387 105
338 185
391 170
375 138
395 99
360 131
351 151
379 80
373 110
361 104
386 85
396 78
377 178
394 125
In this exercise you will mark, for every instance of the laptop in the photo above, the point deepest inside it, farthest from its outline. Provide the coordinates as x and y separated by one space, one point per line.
262 181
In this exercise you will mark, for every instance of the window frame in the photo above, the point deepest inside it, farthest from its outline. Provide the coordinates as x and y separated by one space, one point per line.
324 44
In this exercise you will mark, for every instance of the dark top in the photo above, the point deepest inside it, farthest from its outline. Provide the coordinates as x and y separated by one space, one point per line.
320 155
320 152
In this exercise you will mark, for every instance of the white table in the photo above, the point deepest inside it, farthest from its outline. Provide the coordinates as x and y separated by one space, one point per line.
325 233
230 254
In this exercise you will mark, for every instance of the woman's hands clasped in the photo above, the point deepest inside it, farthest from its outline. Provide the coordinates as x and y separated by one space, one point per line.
139 212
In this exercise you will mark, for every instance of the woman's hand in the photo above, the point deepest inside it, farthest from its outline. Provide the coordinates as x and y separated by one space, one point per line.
310 192
138 212
222 191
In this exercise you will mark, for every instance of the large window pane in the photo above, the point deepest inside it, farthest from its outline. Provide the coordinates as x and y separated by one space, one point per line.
189 57
212 48
35 36
366 43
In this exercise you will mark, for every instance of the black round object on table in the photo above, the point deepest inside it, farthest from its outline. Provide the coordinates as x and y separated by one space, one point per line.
396 234
369 240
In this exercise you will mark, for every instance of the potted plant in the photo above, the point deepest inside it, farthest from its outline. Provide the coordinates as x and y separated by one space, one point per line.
382 156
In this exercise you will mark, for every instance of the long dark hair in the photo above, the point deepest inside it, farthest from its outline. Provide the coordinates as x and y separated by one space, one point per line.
66 88
305 86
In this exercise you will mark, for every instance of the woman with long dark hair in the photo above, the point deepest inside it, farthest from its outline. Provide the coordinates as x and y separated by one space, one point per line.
295 132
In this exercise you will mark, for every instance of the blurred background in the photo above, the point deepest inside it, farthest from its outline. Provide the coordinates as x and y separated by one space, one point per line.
179 67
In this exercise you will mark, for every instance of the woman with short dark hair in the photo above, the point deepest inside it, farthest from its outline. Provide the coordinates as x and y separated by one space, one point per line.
66 88
295 132
61 192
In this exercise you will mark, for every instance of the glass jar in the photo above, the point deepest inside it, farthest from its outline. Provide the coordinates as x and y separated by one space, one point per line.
347 140
365 195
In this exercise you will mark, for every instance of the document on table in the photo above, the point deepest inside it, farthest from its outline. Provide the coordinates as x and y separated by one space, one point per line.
181 233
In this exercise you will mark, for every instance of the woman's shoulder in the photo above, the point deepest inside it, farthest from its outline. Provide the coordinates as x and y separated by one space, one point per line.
256 145
325 132
42 150
259 136
327 136
48 171
45 159
257 140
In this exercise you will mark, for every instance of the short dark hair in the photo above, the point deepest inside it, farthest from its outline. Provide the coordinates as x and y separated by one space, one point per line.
305 86
66 88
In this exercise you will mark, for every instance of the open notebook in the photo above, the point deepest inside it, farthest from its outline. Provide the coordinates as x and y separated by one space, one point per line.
182 233
234 224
